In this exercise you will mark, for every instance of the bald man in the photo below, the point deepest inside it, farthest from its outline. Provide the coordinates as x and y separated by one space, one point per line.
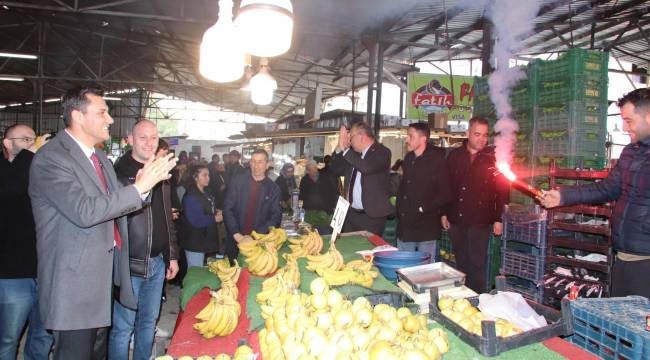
18 286
153 250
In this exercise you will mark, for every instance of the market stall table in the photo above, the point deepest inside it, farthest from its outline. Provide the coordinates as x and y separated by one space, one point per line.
187 341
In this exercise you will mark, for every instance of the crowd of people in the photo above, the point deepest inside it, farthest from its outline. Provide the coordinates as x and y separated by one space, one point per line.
87 245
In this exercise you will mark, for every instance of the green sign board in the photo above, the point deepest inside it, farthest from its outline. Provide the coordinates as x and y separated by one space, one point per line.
431 93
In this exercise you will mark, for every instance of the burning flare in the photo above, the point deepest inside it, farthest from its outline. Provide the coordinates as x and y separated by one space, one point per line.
507 172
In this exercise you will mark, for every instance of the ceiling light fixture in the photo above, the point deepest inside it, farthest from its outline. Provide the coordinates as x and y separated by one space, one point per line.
11 78
263 85
18 56
14 104
52 100
111 98
222 58
266 26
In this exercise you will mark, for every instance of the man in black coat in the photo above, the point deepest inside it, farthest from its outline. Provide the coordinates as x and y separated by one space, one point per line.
18 285
365 163
478 200
252 203
629 185
423 190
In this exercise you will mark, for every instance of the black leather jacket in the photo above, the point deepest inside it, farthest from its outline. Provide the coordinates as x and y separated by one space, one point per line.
141 223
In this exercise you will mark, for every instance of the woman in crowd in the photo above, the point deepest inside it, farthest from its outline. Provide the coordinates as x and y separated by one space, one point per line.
199 218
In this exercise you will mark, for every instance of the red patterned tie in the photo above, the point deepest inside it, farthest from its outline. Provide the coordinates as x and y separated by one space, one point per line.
102 178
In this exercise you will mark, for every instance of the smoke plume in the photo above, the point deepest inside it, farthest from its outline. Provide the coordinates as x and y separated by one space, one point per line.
513 21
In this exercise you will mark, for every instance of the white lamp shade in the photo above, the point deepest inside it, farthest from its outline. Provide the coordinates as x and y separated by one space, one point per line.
262 87
222 58
265 26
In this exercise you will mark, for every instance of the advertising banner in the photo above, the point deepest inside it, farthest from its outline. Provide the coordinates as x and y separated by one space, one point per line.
432 93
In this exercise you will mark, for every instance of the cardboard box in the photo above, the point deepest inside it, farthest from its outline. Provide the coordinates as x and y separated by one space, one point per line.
437 121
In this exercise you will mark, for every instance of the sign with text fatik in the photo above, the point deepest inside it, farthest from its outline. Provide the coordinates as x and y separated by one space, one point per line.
339 217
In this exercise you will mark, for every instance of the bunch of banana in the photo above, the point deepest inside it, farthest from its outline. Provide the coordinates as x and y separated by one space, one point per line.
249 248
346 276
361 264
264 261
219 318
332 259
290 271
310 244
224 271
277 236
276 289
228 289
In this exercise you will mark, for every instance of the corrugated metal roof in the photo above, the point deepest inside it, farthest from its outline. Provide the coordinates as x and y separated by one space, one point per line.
154 44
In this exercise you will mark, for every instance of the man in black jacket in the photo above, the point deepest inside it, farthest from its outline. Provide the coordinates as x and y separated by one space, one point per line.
629 185
153 251
252 203
365 163
423 190
18 285
478 200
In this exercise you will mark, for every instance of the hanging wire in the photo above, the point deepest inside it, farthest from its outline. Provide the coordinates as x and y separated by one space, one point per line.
451 74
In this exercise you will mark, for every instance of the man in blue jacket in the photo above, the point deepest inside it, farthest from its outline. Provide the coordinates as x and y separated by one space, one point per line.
252 203
629 185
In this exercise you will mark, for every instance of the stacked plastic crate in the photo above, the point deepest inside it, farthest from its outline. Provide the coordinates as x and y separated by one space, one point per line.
571 110
523 250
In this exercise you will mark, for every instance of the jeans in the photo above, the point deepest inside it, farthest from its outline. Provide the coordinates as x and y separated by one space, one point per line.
429 247
194 258
148 292
19 305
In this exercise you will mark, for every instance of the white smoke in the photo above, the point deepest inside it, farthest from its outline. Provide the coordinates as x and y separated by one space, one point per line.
513 21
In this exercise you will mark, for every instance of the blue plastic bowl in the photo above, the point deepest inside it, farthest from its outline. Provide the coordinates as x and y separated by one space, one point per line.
402 257
389 270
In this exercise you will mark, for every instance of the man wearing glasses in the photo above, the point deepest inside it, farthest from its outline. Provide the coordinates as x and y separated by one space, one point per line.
18 286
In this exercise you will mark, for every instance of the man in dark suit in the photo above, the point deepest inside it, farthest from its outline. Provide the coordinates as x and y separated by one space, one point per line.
365 163
82 241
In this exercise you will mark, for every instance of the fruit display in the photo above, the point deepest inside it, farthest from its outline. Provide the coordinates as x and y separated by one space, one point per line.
220 317
332 260
469 317
276 236
324 325
285 281
355 272
310 244
243 352
261 257
224 271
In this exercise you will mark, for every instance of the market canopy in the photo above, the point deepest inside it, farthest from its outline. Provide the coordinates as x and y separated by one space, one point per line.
153 44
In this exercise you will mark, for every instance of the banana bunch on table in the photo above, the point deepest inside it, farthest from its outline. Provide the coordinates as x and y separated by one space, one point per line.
277 236
224 271
261 257
355 272
332 259
220 317
310 244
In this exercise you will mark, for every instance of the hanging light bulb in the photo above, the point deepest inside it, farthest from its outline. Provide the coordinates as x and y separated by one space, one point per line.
266 26
222 58
262 85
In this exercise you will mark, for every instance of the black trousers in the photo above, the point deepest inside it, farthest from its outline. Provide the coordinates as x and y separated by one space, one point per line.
470 245
630 278
360 221
84 344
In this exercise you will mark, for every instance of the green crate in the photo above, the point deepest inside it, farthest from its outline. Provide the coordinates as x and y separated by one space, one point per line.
571 142
587 114
494 260
565 90
575 62
571 162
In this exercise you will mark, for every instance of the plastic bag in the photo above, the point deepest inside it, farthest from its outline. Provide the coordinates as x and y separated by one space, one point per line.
512 307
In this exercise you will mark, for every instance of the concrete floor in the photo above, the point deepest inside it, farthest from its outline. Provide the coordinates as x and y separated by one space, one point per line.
167 321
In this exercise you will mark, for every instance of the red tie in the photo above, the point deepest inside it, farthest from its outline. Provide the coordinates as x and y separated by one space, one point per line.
102 178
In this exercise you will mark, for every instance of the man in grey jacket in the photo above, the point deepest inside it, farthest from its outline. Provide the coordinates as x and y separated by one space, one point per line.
82 241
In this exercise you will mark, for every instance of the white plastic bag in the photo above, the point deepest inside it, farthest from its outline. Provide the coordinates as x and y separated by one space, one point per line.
512 307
